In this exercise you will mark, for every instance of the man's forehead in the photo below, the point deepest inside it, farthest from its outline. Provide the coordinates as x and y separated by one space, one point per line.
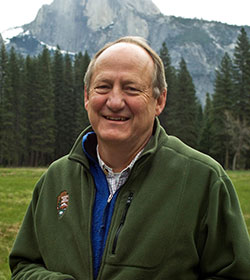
130 50
123 58
109 77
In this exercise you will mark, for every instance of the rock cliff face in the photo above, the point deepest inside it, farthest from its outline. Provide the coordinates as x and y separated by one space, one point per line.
87 24
79 25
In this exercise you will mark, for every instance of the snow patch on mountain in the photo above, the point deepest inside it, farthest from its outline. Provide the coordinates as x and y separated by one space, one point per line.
10 33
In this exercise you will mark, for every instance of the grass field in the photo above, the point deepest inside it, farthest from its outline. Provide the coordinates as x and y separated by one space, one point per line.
241 180
16 185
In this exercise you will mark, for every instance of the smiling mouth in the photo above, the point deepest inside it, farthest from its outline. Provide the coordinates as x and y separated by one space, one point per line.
116 118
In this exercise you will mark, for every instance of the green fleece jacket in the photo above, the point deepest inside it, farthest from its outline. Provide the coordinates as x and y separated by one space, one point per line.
177 217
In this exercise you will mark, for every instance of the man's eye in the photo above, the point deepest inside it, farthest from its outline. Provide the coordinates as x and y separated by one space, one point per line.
132 90
102 89
102 86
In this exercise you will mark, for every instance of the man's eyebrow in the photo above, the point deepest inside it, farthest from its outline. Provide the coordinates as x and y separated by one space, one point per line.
102 80
125 81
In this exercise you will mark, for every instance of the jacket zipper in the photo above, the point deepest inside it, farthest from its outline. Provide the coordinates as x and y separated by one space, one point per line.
128 203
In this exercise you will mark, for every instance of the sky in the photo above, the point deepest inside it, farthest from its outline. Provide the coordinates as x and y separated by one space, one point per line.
18 12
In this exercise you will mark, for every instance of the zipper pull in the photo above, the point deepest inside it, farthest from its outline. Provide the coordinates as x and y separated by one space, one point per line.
110 198
129 200
128 203
130 197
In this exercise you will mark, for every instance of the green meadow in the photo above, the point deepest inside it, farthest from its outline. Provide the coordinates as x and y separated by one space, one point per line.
16 186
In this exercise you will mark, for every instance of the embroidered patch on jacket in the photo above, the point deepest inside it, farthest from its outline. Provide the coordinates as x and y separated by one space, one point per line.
62 203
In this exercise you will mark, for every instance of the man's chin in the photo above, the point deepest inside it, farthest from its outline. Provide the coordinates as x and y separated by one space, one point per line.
113 138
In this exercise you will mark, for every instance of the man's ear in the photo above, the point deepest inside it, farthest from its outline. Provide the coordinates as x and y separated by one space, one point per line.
161 102
86 98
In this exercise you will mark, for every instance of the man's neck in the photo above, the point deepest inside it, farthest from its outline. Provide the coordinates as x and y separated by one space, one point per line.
118 157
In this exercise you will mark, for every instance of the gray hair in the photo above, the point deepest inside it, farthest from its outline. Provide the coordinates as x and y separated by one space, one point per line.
158 81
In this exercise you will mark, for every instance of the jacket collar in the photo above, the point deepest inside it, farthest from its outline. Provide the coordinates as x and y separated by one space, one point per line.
77 154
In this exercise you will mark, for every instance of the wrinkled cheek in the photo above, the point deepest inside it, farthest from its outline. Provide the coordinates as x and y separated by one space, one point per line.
92 113
96 103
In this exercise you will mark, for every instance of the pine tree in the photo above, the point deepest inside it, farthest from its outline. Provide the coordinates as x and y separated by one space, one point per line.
21 112
242 76
32 103
3 63
46 121
242 83
14 102
223 101
58 85
199 122
68 100
39 110
167 117
7 148
186 107
85 64
80 67
206 134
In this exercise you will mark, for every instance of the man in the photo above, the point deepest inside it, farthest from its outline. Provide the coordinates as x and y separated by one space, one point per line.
129 201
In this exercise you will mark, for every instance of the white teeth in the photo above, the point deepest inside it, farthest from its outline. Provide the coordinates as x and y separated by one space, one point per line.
116 119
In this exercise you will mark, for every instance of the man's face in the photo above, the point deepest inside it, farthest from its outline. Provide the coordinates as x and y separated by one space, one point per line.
120 105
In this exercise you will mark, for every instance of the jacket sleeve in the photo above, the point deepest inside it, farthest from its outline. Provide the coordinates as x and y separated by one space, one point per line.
226 243
25 259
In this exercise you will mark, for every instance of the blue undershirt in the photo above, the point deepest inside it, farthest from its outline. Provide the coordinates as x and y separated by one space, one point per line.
102 210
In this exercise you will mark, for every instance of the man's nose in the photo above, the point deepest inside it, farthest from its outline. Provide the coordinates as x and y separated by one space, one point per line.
115 101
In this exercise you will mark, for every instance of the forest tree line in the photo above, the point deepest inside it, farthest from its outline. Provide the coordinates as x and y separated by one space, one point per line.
222 128
42 106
